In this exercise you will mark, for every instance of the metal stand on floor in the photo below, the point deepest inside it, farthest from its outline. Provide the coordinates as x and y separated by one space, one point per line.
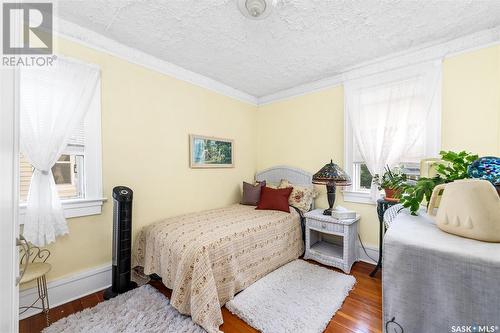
382 206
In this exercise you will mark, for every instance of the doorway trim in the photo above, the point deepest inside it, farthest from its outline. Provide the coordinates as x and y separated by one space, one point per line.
9 199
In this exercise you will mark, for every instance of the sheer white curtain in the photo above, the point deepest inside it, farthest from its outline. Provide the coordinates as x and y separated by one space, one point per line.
388 113
53 100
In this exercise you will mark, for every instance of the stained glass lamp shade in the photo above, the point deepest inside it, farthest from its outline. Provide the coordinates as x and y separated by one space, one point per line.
487 168
332 176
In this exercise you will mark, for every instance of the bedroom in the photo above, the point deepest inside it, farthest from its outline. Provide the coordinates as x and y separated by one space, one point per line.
158 79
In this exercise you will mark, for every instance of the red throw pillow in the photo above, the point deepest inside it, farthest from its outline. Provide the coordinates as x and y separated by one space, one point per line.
274 199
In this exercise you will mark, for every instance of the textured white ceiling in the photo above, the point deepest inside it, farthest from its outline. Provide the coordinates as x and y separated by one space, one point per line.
301 41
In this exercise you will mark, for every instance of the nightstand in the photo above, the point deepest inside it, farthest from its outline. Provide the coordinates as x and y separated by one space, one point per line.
330 241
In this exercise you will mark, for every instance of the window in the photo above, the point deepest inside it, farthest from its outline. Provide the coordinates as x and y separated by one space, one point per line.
396 117
77 173
361 177
66 176
68 171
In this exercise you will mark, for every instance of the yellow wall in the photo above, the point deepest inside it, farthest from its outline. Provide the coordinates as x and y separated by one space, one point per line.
471 102
147 116
146 119
307 131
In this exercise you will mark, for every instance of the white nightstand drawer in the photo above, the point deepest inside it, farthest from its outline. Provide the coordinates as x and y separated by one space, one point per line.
326 226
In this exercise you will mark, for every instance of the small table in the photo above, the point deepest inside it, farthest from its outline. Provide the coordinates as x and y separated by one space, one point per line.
382 206
340 250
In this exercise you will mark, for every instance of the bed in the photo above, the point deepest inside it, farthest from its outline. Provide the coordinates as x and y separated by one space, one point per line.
207 257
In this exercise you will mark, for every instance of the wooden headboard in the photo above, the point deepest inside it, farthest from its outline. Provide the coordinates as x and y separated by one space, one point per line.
275 174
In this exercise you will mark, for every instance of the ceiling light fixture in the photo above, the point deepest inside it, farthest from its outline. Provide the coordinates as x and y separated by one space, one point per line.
255 9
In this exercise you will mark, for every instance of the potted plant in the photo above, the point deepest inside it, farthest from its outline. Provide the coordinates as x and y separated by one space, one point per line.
391 182
453 167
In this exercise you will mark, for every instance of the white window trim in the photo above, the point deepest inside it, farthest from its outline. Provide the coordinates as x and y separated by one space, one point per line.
433 144
73 208
357 197
347 192
93 201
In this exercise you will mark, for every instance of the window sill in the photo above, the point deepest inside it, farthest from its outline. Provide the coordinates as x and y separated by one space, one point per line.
73 208
357 197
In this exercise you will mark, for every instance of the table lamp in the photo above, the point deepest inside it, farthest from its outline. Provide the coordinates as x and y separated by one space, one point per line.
332 176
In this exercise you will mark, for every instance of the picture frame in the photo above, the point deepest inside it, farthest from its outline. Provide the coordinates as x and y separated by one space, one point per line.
210 152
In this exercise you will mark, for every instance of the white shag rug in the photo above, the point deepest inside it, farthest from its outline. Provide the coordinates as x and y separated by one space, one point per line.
143 310
297 297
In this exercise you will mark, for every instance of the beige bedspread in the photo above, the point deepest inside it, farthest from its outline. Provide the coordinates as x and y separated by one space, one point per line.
207 257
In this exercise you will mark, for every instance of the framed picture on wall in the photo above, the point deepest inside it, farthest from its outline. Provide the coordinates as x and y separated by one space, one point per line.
210 152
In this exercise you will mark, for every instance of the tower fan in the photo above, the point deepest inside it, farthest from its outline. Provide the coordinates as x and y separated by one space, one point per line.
122 242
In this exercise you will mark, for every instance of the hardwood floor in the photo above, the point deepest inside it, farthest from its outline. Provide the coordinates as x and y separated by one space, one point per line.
360 313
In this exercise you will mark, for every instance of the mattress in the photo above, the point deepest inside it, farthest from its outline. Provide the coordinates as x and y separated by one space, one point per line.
207 257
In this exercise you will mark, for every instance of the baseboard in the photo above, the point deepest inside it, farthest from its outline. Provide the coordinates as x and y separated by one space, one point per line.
67 289
372 252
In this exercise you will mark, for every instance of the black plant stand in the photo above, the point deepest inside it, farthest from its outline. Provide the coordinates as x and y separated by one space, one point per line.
382 206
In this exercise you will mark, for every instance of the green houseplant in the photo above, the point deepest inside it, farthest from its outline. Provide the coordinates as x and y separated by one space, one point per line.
392 182
453 167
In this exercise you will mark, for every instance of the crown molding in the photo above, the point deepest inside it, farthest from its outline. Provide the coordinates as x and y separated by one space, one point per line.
99 42
430 51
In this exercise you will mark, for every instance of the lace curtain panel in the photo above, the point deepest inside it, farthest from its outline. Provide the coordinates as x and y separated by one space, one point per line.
53 101
388 114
